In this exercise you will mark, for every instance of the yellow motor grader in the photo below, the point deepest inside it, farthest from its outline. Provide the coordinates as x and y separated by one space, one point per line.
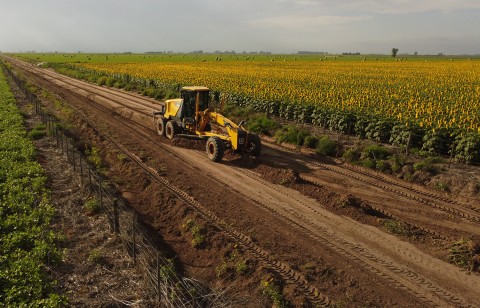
191 116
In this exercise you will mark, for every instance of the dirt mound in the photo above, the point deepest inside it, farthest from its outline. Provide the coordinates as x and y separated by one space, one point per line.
189 143
278 176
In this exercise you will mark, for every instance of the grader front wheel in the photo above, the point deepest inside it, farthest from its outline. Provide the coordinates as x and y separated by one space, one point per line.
215 149
254 145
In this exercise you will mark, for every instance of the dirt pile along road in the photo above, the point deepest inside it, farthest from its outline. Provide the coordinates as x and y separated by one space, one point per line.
318 222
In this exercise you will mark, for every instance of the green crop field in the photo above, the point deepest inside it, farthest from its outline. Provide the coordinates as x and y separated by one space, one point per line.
26 243
175 58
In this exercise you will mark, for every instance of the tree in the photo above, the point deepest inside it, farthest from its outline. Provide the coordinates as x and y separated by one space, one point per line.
394 52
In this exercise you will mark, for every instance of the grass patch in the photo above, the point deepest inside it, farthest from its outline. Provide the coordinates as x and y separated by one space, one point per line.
274 292
311 142
261 125
441 186
92 206
376 152
400 228
198 237
425 166
38 132
95 256
465 253
351 155
122 157
291 134
93 156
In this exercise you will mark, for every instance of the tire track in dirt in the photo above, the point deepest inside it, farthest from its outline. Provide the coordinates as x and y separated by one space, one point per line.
148 105
364 256
396 274
443 204
290 275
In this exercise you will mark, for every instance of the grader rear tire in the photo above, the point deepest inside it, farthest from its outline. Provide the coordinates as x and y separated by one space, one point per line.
215 149
160 125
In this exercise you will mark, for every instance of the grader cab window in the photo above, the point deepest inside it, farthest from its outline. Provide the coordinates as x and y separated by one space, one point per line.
204 99
188 104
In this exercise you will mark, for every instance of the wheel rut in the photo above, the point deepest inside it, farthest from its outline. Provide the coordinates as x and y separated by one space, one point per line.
399 263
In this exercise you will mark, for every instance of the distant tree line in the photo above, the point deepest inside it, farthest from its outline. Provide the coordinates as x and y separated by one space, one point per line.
305 52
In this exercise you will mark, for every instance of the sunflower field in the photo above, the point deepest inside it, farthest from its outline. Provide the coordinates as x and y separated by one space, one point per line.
433 105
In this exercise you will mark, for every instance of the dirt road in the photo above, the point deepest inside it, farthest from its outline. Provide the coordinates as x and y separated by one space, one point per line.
298 227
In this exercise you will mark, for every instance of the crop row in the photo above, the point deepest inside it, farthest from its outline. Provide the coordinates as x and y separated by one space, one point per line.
429 105
27 245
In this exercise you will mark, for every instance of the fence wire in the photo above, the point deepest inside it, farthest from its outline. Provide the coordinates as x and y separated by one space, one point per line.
168 288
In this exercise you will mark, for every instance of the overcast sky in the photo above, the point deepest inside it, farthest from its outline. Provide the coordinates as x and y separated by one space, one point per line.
279 26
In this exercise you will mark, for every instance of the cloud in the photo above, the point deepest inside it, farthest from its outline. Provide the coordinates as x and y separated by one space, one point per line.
275 25
406 6
298 21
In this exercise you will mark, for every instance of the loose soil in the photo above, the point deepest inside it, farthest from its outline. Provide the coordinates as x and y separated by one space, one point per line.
324 228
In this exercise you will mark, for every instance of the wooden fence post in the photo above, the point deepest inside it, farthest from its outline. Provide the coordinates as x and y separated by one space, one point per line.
89 177
56 134
81 168
73 160
134 244
158 277
100 192
66 149
116 227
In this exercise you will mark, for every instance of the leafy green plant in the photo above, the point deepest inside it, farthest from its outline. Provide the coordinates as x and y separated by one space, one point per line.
397 162
93 156
311 141
394 226
198 238
408 177
376 152
437 141
369 163
379 130
167 270
27 244
272 290
441 186
425 166
261 125
92 206
351 155
95 256
467 147
122 157
326 146
461 253
383 165
291 134
221 269
38 132
242 267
